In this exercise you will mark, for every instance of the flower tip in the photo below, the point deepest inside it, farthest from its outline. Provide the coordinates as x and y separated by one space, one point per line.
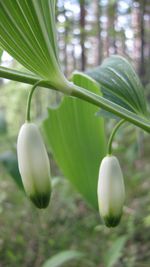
41 201
111 221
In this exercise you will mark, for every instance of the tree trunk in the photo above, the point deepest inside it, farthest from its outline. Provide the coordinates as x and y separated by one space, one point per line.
82 36
142 32
99 45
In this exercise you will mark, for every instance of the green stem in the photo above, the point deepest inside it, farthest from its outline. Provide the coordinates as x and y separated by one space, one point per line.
29 100
81 93
109 106
109 147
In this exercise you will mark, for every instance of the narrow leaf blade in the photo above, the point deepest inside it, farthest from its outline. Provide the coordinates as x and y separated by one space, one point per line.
63 257
114 253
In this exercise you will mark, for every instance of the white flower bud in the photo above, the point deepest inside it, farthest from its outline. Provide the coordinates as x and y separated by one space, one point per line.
34 165
111 191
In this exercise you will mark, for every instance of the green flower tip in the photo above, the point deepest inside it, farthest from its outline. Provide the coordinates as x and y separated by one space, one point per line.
112 221
41 201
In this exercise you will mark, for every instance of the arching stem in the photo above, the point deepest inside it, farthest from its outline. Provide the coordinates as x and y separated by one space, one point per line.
30 98
109 147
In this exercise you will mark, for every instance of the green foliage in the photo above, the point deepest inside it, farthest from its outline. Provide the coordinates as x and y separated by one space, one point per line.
32 237
77 139
29 237
10 162
3 124
114 253
1 53
62 258
120 84
33 42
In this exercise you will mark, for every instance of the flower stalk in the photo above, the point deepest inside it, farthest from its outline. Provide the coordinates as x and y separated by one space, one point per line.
109 149
29 100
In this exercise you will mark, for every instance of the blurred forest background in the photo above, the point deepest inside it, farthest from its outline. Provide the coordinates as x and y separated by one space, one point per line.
88 32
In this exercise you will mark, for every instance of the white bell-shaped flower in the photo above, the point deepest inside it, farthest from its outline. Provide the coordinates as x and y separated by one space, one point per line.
34 165
111 191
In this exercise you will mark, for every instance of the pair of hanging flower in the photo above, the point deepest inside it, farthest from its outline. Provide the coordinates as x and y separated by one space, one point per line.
34 168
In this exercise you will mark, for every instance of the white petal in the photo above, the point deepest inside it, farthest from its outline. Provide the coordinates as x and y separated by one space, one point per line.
111 191
33 161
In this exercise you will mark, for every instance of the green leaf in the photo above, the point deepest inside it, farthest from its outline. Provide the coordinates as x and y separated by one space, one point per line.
120 84
3 123
63 257
1 53
114 253
9 160
27 32
77 139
